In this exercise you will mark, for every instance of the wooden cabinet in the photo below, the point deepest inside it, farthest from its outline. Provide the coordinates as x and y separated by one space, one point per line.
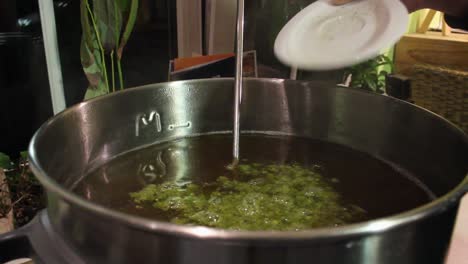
433 49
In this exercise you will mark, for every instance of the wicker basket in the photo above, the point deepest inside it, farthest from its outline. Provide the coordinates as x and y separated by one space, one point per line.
443 91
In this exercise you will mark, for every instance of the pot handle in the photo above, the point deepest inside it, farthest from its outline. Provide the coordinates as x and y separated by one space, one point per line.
15 245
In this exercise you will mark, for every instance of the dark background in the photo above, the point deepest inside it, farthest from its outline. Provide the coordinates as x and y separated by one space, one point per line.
24 89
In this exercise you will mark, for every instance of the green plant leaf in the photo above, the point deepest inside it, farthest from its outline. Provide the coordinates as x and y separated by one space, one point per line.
91 62
117 23
5 161
123 5
386 59
86 28
24 155
108 19
129 27
383 73
372 85
103 34
90 52
98 91
368 75
355 83
373 64
373 76
86 54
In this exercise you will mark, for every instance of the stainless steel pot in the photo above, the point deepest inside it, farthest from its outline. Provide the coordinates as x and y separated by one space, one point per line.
91 133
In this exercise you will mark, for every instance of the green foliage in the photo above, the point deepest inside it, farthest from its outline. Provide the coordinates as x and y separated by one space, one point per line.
368 76
24 155
98 90
258 197
129 27
5 161
123 4
20 191
103 36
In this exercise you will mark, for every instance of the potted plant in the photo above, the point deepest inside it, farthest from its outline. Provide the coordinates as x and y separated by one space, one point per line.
21 195
106 28
369 75
6 215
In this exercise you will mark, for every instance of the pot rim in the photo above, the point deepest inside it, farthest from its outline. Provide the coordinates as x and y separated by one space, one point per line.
437 206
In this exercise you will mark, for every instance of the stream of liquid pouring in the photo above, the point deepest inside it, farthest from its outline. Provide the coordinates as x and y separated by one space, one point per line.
238 78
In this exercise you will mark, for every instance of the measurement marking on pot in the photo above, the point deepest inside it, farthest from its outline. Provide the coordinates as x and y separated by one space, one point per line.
144 120
183 125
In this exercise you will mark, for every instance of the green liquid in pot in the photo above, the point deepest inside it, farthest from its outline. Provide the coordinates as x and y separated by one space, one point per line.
282 183
253 197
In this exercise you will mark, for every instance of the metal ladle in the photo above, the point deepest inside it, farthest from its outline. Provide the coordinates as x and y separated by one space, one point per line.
238 79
